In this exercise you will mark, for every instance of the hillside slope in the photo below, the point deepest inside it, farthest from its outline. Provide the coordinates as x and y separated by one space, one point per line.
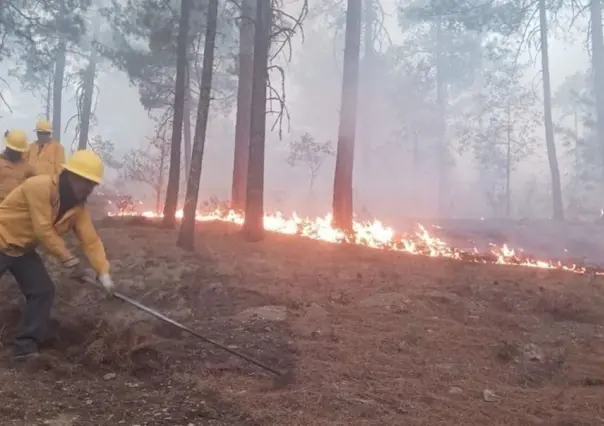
372 337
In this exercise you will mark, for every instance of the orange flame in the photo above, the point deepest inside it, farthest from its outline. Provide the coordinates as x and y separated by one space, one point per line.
375 235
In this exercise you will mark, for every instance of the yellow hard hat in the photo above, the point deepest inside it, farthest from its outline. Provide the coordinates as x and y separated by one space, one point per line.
43 126
87 164
16 140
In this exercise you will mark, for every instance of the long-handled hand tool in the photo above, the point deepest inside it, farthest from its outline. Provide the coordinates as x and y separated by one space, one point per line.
191 331
194 333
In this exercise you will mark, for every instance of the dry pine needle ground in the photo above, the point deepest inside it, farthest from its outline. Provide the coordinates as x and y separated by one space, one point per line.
372 337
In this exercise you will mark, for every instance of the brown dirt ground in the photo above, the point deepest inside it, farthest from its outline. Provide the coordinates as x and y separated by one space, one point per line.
374 338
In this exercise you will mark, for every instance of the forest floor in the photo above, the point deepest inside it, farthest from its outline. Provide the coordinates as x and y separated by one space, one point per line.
373 338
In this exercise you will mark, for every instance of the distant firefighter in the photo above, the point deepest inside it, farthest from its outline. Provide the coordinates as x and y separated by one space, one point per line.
125 204
46 155
13 167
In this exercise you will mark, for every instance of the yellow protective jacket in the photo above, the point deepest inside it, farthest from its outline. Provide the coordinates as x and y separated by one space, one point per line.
46 159
12 175
28 215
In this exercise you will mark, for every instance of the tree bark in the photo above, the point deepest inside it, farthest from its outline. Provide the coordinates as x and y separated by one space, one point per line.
179 99
597 48
57 88
253 226
342 188
89 75
557 207
244 104
186 236
187 120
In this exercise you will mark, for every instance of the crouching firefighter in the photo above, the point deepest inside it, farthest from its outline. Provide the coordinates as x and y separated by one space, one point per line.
40 210
13 165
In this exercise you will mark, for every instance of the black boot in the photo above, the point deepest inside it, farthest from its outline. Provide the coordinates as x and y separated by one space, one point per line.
24 351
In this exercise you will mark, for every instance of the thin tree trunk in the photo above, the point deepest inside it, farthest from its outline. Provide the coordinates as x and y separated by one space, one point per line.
49 85
597 48
158 199
253 226
577 139
441 103
311 184
89 75
557 208
179 99
367 87
186 236
187 120
160 177
244 104
342 189
508 164
57 88
414 178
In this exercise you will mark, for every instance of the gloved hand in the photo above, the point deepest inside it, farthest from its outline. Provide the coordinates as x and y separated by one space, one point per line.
107 282
77 271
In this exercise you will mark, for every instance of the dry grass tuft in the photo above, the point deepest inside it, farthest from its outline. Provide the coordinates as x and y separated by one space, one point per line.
132 347
507 352
569 307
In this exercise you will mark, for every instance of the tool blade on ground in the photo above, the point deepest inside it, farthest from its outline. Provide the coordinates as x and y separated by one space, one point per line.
183 327
194 333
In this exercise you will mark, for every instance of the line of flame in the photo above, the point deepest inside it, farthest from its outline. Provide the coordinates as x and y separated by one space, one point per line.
375 235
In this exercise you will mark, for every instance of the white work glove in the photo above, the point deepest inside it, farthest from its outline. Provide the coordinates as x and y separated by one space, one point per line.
107 283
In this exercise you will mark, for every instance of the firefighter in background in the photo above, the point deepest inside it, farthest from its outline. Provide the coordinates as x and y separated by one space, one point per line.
40 210
46 155
125 204
13 166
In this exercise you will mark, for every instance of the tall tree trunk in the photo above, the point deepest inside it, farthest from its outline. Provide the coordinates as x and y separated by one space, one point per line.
415 153
342 188
508 163
577 142
187 120
244 104
441 105
89 75
367 87
557 207
57 88
253 226
597 48
179 99
161 174
49 86
186 236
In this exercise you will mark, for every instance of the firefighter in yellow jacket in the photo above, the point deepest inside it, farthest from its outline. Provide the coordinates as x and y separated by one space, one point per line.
46 155
13 166
39 211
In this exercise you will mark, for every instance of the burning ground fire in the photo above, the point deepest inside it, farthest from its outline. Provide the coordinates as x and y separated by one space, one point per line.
376 235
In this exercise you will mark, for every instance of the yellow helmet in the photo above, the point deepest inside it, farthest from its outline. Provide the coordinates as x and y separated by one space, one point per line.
87 164
16 140
43 126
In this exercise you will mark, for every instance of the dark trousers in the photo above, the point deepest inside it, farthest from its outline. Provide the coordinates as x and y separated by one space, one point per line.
39 290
